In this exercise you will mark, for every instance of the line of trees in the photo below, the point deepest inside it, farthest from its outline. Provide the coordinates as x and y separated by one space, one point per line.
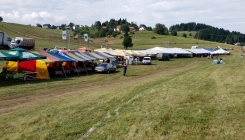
210 33
1 19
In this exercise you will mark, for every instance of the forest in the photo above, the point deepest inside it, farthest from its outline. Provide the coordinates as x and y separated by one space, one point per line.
210 33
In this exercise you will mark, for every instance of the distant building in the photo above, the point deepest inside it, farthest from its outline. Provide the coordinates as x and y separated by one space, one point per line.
142 28
237 44
117 28
46 26
75 27
104 27
131 28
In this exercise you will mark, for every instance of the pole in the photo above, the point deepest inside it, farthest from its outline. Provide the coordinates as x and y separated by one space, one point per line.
106 42
66 40
69 40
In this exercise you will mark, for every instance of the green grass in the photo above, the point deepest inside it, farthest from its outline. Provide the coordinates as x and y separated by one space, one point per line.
178 99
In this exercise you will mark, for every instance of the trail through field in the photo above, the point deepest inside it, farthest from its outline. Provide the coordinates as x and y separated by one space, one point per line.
17 102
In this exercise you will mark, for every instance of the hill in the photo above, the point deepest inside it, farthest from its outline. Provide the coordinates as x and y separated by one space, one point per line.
48 38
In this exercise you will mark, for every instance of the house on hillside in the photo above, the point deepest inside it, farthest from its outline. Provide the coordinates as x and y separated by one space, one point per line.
117 28
142 28
237 44
46 26
75 27
131 28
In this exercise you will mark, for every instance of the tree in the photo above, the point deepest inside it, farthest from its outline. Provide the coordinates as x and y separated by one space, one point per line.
127 42
149 28
97 25
114 34
184 35
161 29
1 19
71 25
124 28
143 25
39 25
174 33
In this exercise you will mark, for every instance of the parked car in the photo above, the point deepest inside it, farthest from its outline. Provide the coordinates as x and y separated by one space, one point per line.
146 60
105 68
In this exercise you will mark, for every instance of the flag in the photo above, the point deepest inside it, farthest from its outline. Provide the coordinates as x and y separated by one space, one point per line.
64 35
86 37
75 35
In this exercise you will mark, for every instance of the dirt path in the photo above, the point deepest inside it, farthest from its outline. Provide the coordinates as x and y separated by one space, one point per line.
15 103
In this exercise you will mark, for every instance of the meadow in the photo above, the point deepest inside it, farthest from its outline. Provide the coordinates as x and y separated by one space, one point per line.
184 98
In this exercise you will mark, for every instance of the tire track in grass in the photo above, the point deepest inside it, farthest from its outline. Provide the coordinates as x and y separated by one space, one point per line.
148 91
15 103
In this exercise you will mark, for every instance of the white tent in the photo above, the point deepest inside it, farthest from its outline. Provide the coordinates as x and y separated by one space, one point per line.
198 51
220 51
156 50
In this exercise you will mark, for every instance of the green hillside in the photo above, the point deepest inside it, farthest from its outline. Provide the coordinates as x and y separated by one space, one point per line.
48 38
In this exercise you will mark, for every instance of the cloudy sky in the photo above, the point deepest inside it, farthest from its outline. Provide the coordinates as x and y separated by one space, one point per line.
226 14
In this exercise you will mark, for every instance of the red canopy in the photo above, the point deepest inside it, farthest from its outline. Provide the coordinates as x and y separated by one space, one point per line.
50 57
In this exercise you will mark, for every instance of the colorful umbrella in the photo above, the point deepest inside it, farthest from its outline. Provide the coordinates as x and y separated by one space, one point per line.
8 57
24 55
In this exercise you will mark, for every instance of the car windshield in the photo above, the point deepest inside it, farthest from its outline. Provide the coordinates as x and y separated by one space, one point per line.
13 41
146 58
102 65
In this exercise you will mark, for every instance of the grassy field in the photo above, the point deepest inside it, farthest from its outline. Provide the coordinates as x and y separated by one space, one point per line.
178 99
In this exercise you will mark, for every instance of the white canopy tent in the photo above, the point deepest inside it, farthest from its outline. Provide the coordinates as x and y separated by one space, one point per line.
156 50
199 51
220 51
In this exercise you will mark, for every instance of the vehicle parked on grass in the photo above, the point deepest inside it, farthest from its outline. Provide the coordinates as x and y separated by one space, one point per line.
4 41
105 68
146 60
163 56
22 42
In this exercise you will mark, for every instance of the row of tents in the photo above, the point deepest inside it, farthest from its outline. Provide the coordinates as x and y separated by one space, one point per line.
156 50
19 60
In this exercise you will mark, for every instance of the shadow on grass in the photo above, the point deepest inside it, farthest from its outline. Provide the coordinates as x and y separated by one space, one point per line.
12 82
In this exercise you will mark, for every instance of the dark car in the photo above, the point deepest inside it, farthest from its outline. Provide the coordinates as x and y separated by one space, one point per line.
105 68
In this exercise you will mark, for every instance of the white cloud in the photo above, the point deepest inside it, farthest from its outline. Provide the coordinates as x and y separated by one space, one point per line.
219 13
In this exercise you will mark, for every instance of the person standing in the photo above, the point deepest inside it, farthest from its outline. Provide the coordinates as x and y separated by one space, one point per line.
124 68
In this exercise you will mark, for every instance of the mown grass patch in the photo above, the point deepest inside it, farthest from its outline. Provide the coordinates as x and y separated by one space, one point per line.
186 98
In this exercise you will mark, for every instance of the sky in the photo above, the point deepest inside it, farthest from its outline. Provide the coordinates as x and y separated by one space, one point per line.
226 14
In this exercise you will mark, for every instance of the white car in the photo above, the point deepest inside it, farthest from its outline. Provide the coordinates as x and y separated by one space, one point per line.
146 60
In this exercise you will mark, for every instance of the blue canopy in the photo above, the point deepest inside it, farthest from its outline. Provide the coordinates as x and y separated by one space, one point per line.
82 56
62 57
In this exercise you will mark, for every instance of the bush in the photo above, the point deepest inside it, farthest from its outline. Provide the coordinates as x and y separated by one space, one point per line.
121 37
153 37
184 35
